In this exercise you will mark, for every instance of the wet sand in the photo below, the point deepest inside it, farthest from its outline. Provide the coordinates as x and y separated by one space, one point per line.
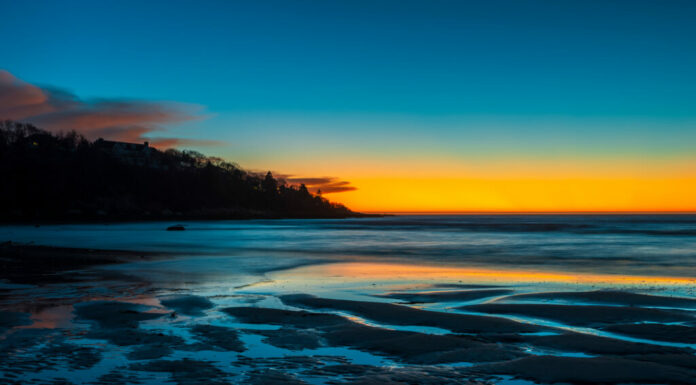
584 315
393 314
610 297
26 263
447 296
104 317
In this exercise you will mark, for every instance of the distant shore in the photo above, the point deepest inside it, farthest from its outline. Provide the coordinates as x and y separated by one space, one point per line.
67 178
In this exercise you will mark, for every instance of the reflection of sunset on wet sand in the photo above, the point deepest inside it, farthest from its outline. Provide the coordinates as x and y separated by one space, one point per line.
405 272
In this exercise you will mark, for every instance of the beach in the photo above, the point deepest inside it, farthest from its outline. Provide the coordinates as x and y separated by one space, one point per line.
396 300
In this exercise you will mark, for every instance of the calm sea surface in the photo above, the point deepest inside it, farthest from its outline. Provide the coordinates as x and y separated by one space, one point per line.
613 244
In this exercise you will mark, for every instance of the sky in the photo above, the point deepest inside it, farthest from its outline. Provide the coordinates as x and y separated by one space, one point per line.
392 106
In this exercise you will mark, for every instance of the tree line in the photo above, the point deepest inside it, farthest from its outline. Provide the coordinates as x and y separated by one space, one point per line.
47 176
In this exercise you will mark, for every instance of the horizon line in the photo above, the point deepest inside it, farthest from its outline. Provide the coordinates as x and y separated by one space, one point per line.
560 212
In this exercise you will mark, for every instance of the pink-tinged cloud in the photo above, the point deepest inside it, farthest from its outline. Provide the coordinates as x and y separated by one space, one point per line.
327 185
180 142
19 100
126 120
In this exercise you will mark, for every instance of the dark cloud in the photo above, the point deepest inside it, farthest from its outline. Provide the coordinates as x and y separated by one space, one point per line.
327 185
58 110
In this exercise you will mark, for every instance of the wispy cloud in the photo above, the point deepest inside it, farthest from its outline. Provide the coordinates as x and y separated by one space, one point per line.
118 119
327 185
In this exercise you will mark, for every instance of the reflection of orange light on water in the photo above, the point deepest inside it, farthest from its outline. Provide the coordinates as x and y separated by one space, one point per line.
61 316
397 272
51 318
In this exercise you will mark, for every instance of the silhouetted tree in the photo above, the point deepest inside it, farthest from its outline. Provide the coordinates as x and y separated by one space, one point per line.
47 176
270 184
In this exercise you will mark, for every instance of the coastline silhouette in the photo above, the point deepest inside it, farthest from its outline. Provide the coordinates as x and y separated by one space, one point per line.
65 177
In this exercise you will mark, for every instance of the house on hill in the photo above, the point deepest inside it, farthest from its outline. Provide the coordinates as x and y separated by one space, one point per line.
130 153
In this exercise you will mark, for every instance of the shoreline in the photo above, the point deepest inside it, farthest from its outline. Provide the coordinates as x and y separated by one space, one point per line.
39 264
358 268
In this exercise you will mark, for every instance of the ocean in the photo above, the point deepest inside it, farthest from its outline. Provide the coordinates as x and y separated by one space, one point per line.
619 244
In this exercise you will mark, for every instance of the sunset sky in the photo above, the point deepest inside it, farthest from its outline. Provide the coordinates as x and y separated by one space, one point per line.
395 105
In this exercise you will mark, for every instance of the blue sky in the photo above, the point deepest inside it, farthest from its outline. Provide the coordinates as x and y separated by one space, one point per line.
573 58
288 84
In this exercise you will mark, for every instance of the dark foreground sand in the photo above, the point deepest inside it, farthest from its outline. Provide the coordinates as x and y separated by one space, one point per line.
64 319
22 263
447 296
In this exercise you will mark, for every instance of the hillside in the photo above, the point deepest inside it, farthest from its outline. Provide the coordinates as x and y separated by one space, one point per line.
68 178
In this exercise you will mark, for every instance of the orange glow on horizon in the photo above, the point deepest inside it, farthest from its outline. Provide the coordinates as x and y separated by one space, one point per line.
441 184
432 195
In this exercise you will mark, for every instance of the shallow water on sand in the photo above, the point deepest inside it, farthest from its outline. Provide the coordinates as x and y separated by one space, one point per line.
458 298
